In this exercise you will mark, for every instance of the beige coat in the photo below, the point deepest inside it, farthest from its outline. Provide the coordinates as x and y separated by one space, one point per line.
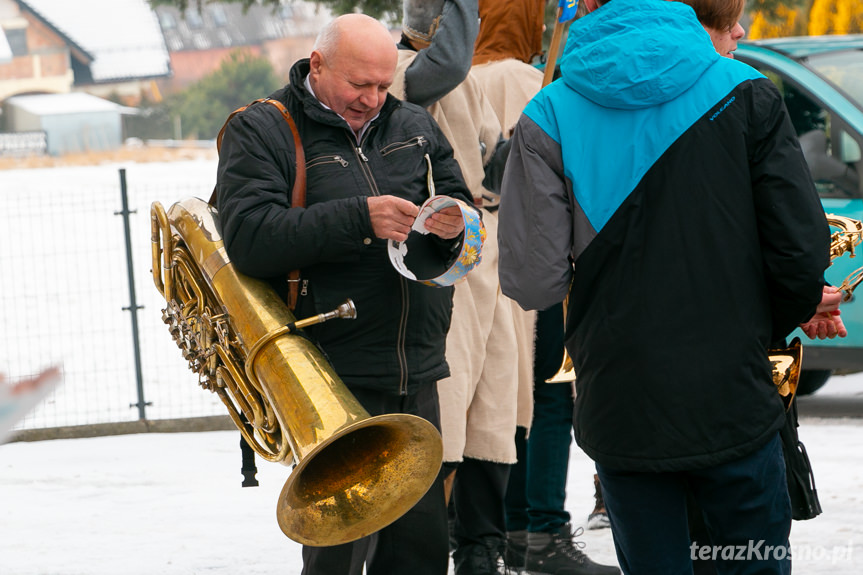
509 85
490 342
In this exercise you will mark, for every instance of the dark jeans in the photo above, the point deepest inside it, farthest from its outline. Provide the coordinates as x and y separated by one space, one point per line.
415 544
745 507
536 493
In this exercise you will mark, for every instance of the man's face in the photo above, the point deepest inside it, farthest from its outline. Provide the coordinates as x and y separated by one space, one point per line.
353 83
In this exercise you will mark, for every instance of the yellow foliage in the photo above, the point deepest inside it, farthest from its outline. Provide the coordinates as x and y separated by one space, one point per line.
758 26
781 23
836 17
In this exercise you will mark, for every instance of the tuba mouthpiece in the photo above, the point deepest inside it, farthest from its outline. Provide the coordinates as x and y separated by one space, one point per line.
347 310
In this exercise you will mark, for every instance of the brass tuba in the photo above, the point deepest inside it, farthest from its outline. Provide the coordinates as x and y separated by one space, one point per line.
787 361
353 474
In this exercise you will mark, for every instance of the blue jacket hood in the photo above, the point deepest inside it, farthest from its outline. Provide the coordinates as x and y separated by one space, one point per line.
632 54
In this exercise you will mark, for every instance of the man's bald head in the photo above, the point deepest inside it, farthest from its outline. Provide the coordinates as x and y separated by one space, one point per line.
351 67
356 29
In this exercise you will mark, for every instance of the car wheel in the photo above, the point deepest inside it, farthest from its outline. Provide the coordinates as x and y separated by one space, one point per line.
811 380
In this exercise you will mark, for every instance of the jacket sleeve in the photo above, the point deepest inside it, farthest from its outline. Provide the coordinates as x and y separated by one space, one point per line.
264 235
438 69
535 225
795 236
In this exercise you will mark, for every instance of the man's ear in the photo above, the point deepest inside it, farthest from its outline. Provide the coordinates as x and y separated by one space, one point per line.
316 60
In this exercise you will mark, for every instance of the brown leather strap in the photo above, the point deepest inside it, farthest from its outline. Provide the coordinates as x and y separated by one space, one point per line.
298 194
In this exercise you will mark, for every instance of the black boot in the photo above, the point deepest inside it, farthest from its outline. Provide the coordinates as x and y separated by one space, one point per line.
483 558
516 547
557 553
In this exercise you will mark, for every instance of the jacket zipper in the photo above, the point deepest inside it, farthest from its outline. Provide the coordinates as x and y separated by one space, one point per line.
401 336
364 161
327 160
418 141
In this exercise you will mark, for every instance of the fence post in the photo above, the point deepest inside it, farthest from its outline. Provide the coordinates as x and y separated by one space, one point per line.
133 303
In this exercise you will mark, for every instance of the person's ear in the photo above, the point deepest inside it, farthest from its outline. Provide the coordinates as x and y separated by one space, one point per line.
316 61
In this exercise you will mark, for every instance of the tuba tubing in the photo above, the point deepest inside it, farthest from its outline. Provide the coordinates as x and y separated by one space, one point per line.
353 474
847 237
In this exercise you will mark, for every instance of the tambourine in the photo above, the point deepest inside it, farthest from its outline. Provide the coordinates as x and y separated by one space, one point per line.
421 257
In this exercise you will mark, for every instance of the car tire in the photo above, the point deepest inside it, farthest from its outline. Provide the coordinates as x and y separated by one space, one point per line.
811 380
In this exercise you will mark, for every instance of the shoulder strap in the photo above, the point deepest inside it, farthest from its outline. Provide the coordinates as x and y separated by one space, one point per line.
298 194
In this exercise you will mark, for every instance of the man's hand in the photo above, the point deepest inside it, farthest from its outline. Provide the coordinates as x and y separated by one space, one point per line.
392 217
831 297
826 323
448 223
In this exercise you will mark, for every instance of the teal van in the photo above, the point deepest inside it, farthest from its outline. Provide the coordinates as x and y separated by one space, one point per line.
821 81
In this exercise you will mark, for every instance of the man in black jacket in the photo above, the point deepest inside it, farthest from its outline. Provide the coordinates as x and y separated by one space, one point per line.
369 158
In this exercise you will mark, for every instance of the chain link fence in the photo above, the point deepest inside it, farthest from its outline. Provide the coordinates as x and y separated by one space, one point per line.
76 290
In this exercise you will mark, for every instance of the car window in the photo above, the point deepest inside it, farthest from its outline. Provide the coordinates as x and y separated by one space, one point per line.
845 69
832 152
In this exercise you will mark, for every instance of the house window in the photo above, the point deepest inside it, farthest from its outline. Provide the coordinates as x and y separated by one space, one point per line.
218 14
194 20
17 38
166 19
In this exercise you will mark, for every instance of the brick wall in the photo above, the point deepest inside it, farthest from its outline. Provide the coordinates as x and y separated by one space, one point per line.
47 59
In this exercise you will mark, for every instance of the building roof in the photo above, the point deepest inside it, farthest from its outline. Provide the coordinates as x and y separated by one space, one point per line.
123 36
57 104
227 25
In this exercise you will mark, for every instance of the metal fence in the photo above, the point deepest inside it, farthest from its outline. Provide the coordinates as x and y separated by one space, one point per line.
23 143
76 289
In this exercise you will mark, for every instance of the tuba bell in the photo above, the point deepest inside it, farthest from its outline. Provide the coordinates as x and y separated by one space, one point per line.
353 474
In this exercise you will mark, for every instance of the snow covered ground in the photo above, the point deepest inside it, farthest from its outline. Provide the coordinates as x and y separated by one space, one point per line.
171 504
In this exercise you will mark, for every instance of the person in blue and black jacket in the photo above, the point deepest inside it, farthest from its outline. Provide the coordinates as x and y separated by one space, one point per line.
662 187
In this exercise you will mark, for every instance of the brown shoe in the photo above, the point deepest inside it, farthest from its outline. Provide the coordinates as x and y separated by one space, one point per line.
598 518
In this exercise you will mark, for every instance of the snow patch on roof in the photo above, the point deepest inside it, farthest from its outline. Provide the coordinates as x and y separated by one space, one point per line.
123 36
72 103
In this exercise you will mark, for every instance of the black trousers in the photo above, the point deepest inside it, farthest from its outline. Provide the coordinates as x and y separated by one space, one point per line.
478 494
415 544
